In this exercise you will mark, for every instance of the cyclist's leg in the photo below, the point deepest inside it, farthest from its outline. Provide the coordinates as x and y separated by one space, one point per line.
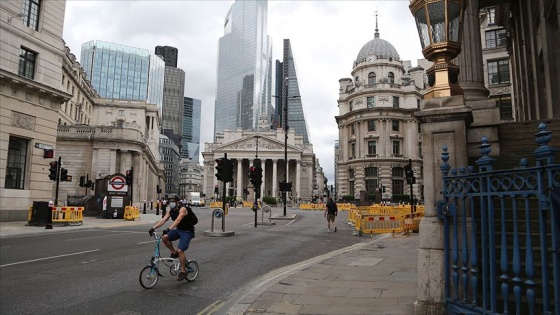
182 247
168 240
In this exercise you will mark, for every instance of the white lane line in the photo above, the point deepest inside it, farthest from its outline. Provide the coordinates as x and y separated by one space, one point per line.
146 242
4 247
87 238
52 257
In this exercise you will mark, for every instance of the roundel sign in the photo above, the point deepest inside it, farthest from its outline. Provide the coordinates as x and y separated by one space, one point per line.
117 184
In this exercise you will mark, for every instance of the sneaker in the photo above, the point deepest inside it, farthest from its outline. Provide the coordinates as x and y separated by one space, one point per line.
181 276
328 230
335 228
174 255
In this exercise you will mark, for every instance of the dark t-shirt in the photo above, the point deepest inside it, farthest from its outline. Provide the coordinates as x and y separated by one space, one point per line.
184 225
331 208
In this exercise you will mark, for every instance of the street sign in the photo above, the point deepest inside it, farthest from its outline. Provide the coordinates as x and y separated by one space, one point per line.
117 185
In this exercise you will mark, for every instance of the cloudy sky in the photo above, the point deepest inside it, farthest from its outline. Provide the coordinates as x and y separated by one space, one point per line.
325 36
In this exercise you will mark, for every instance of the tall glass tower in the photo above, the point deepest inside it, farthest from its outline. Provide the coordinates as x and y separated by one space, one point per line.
287 88
123 72
244 68
190 137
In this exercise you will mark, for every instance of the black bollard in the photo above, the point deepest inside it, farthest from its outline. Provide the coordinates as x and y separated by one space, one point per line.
152 205
157 208
144 208
163 210
49 217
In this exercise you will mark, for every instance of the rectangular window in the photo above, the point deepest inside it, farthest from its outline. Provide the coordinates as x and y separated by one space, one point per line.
396 147
370 102
371 171
353 129
353 148
16 163
397 172
372 147
121 112
498 71
351 105
491 16
395 102
351 173
504 103
496 38
395 125
27 63
371 125
31 9
398 187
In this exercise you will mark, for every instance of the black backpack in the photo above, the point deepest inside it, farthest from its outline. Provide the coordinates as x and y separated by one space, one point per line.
192 216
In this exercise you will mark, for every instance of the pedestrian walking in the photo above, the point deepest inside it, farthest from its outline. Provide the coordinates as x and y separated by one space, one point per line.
331 211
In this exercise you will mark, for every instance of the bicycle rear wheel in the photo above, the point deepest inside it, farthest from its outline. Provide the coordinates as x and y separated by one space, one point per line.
192 270
149 277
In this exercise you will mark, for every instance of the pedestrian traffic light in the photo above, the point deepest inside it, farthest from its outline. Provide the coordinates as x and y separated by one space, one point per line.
128 178
64 175
220 169
53 170
83 181
228 170
253 176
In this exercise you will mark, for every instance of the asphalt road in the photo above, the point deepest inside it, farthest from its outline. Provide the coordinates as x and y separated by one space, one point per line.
95 271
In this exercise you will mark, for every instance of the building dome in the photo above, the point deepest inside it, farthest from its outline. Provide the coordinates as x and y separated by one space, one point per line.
378 47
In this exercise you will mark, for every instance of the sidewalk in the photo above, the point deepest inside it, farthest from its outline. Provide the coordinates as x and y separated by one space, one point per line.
375 277
17 228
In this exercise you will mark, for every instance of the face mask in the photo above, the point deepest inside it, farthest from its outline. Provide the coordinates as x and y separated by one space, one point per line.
172 205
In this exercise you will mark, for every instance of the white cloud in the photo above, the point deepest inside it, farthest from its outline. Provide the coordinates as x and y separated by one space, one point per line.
325 36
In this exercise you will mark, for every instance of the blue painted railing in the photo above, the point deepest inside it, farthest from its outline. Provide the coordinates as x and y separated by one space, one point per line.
502 234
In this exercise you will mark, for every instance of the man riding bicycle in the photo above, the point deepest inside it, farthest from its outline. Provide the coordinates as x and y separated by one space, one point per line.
181 228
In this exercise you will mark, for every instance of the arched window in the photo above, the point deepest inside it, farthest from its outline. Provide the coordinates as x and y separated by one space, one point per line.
371 78
391 77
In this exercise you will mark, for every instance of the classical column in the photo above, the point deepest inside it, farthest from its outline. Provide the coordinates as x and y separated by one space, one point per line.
298 178
263 186
274 177
239 177
471 75
137 191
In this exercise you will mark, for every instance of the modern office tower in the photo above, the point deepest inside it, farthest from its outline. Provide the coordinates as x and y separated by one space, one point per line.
286 77
173 93
123 72
169 54
190 136
169 155
244 73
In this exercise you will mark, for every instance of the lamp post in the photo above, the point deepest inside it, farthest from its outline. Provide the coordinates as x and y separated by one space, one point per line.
285 125
439 25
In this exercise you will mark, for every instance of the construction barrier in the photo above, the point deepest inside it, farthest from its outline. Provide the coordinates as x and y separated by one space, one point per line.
375 224
68 215
321 206
131 213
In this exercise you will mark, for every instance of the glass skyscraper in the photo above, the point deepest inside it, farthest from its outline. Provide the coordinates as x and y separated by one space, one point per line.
190 137
286 77
123 72
244 68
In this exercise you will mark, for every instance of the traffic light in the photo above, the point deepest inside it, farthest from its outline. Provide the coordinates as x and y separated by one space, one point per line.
53 170
228 170
128 177
83 181
409 173
253 176
259 175
384 191
220 169
64 175
48 153
90 184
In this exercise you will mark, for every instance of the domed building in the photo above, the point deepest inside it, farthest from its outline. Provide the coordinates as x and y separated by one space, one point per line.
378 133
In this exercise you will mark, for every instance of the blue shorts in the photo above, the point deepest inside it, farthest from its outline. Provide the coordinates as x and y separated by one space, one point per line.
184 236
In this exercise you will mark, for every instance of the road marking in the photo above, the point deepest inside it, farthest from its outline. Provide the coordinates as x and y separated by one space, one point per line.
210 309
146 242
4 247
52 257
87 238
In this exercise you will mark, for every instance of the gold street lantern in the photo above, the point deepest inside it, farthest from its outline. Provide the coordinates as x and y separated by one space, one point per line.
439 24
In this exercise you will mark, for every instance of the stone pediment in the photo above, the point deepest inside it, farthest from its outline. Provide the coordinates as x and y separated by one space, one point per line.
250 144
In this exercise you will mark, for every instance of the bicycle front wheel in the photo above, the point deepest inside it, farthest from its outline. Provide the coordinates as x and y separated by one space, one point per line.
149 277
192 270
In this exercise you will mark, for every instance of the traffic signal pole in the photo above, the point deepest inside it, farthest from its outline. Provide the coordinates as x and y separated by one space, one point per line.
58 167
224 182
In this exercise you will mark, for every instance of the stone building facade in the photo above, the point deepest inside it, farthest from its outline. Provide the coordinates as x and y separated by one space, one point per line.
378 133
31 93
244 146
